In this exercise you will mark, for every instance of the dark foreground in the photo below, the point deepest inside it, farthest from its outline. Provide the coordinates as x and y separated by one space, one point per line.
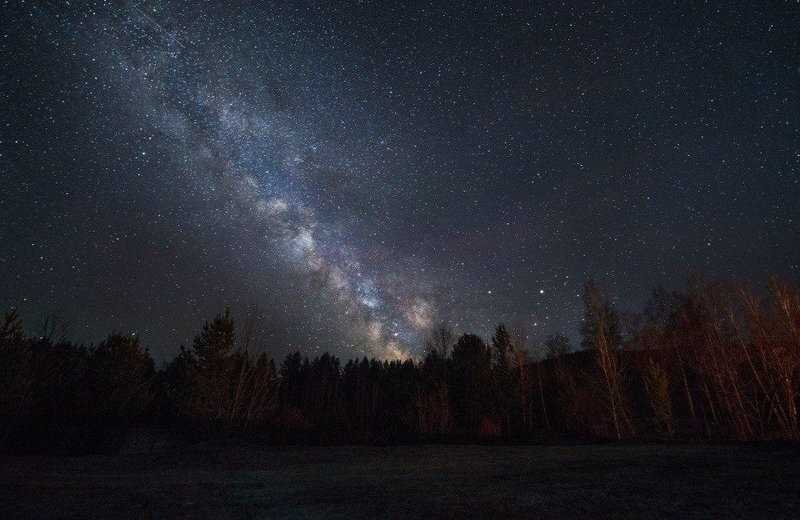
408 482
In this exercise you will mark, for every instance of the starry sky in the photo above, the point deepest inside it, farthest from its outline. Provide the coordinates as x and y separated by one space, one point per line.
351 173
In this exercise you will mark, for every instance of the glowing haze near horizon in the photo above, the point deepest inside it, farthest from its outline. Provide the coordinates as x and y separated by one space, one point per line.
352 174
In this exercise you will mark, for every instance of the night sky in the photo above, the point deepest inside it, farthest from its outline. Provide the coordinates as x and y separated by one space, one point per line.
357 172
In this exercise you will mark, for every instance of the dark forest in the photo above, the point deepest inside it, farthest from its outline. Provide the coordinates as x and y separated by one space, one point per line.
717 362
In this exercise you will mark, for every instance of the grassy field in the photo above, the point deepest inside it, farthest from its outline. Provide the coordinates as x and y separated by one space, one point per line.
410 482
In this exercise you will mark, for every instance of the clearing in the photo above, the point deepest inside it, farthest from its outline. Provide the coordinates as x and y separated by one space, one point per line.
410 482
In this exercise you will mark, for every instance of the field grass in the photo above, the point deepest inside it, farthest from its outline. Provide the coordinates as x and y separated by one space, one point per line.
410 482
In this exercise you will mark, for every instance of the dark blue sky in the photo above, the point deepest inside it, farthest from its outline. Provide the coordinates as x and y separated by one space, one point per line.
359 172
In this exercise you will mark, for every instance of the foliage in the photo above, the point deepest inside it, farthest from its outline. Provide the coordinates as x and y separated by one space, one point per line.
719 361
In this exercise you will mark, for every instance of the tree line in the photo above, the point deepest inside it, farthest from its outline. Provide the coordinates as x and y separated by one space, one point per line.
717 361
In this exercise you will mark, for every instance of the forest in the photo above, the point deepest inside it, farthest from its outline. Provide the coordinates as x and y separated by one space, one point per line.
716 362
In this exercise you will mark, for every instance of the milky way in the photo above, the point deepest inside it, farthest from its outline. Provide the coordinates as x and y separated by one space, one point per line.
350 175
262 165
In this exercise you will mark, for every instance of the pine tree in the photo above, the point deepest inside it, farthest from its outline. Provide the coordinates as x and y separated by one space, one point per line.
215 342
470 382
214 384
503 376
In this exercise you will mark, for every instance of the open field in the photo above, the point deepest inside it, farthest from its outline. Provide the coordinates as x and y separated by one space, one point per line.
410 481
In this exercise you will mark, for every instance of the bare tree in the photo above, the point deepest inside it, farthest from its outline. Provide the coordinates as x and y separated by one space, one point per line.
601 334
656 384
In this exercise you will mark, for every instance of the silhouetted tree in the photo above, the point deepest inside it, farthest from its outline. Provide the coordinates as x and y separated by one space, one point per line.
470 383
600 320
15 373
505 394
214 374
120 376
601 334
119 379
720 360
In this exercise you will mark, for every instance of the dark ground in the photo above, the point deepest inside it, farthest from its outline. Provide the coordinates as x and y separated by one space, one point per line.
655 481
